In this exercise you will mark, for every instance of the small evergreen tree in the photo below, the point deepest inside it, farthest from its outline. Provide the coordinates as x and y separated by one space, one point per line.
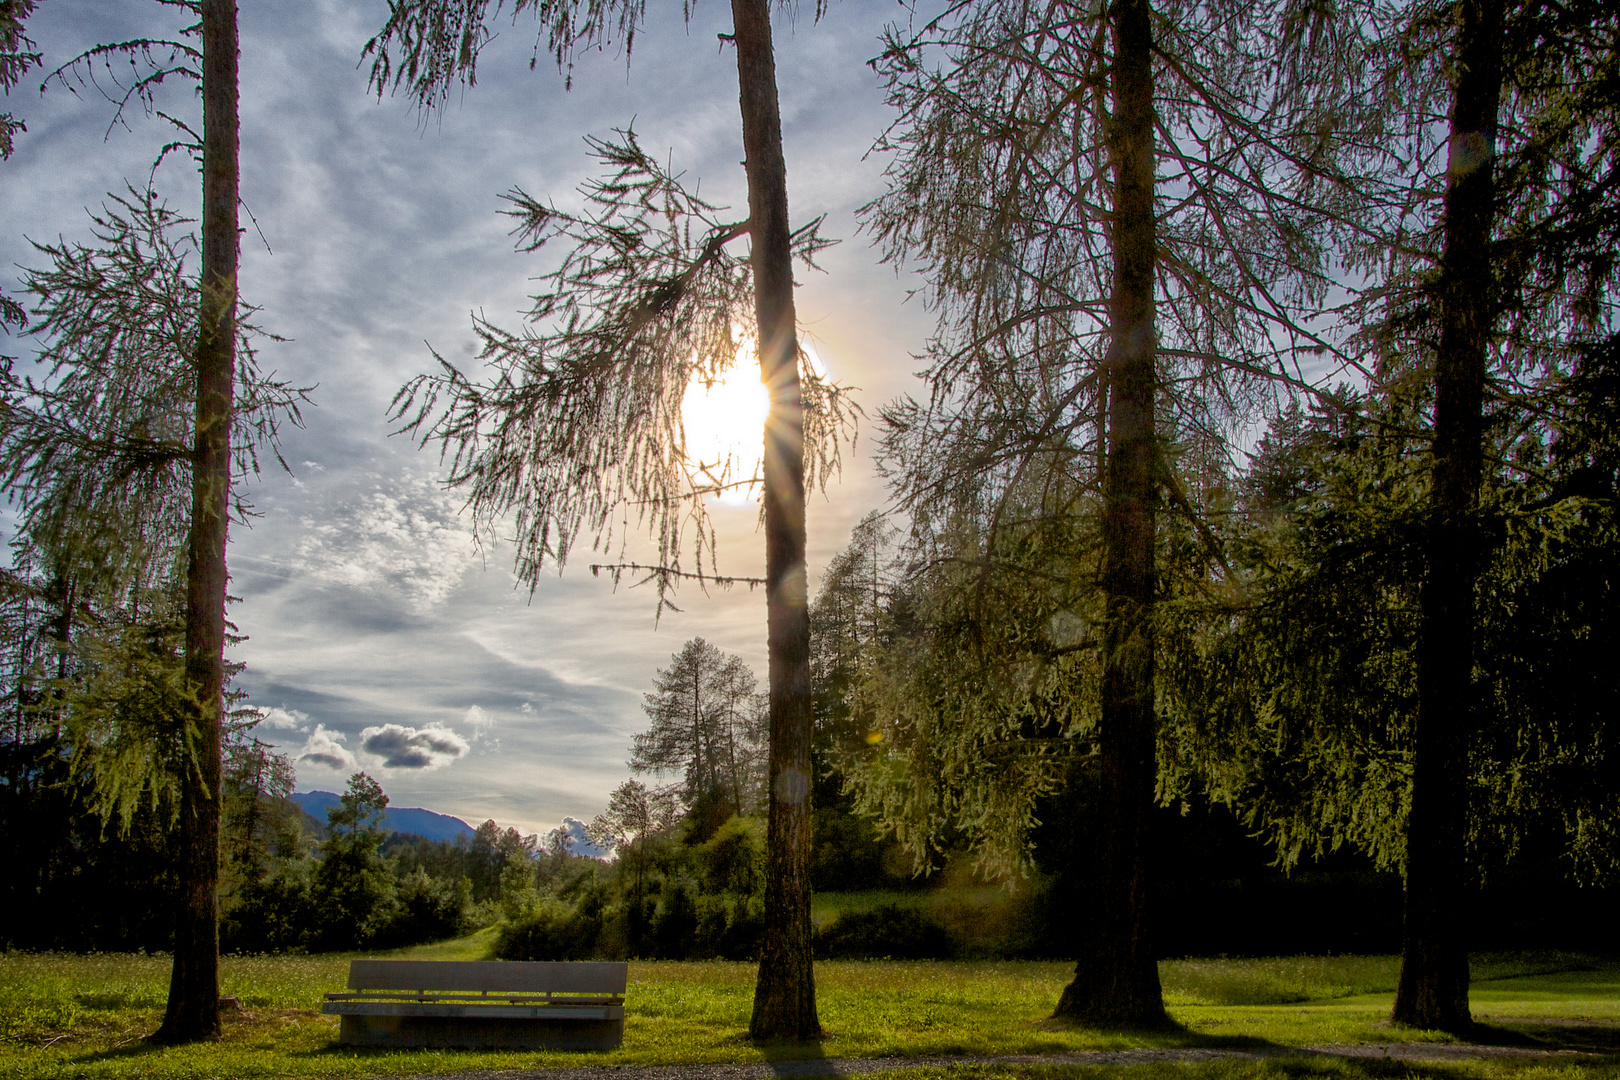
353 888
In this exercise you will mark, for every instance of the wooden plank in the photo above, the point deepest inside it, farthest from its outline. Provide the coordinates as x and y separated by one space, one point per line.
582 976
465 1010
458 995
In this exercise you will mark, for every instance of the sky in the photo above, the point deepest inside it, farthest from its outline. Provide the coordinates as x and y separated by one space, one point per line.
379 634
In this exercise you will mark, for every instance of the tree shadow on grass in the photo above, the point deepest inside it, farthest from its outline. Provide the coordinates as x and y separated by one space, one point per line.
1297 1065
133 1048
1169 1034
1540 1033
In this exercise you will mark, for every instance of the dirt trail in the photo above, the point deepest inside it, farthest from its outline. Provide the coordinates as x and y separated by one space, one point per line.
769 1070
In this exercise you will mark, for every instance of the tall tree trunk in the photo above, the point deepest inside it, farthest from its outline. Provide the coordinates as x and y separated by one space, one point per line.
193 1009
1433 987
1117 980
785 995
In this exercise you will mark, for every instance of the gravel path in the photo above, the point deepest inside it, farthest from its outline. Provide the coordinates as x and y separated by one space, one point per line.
769 1070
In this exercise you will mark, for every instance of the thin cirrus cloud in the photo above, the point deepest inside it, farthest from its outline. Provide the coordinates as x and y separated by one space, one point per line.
402 747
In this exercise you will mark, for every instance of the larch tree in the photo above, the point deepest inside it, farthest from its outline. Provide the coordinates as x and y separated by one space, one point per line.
95 455
192 1011
1497 279
1432 991
636 814
205 54
741 726
703 711
1123 211
1482 292
582 422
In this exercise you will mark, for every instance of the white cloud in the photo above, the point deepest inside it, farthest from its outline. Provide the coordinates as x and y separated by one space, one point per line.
279 719
326 749
482 726
402 747
407 541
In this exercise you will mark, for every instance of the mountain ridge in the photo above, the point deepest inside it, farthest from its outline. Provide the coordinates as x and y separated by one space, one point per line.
413 820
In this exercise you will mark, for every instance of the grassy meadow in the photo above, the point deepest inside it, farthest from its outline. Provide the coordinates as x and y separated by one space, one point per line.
84 1016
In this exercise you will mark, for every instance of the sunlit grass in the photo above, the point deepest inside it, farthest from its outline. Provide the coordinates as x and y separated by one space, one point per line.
84 1016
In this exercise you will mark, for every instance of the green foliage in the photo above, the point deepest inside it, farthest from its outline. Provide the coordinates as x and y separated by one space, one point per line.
553 931
128 709
847 851
979 689
353 891
708 724
274 912
1318 667
518 893
674 930
95 452
1294 694
733 859
426 909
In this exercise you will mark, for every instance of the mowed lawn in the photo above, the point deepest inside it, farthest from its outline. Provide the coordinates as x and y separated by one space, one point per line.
84 1016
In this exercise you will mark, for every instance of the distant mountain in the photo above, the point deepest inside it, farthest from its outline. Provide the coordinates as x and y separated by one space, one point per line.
576 841
400 819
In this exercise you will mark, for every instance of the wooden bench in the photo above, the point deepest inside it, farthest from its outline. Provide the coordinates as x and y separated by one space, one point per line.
479 1003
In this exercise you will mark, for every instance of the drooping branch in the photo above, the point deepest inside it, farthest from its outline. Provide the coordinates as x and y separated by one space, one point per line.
578 425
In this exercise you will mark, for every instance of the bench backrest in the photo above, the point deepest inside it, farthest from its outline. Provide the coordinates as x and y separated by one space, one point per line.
533 976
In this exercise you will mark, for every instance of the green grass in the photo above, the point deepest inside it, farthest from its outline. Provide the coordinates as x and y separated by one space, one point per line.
974 915
84 1016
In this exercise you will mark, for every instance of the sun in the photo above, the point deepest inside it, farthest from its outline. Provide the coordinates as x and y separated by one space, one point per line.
725 425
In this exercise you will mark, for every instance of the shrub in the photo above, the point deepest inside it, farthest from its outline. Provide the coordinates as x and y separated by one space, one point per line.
733 860
429 909
745 922
552 931
888 932
272 914
675 927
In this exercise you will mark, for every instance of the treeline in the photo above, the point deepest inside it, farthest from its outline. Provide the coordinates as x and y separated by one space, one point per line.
686 879
77 881
688 873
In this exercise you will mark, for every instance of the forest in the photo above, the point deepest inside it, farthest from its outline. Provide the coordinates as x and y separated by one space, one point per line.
1244 585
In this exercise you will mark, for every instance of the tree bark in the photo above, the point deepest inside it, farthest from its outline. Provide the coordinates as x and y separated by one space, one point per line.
1433 987
193 1008
785 995
1117 980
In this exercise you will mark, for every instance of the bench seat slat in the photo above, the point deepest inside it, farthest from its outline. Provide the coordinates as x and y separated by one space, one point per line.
533 976
472 1011
560 1000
